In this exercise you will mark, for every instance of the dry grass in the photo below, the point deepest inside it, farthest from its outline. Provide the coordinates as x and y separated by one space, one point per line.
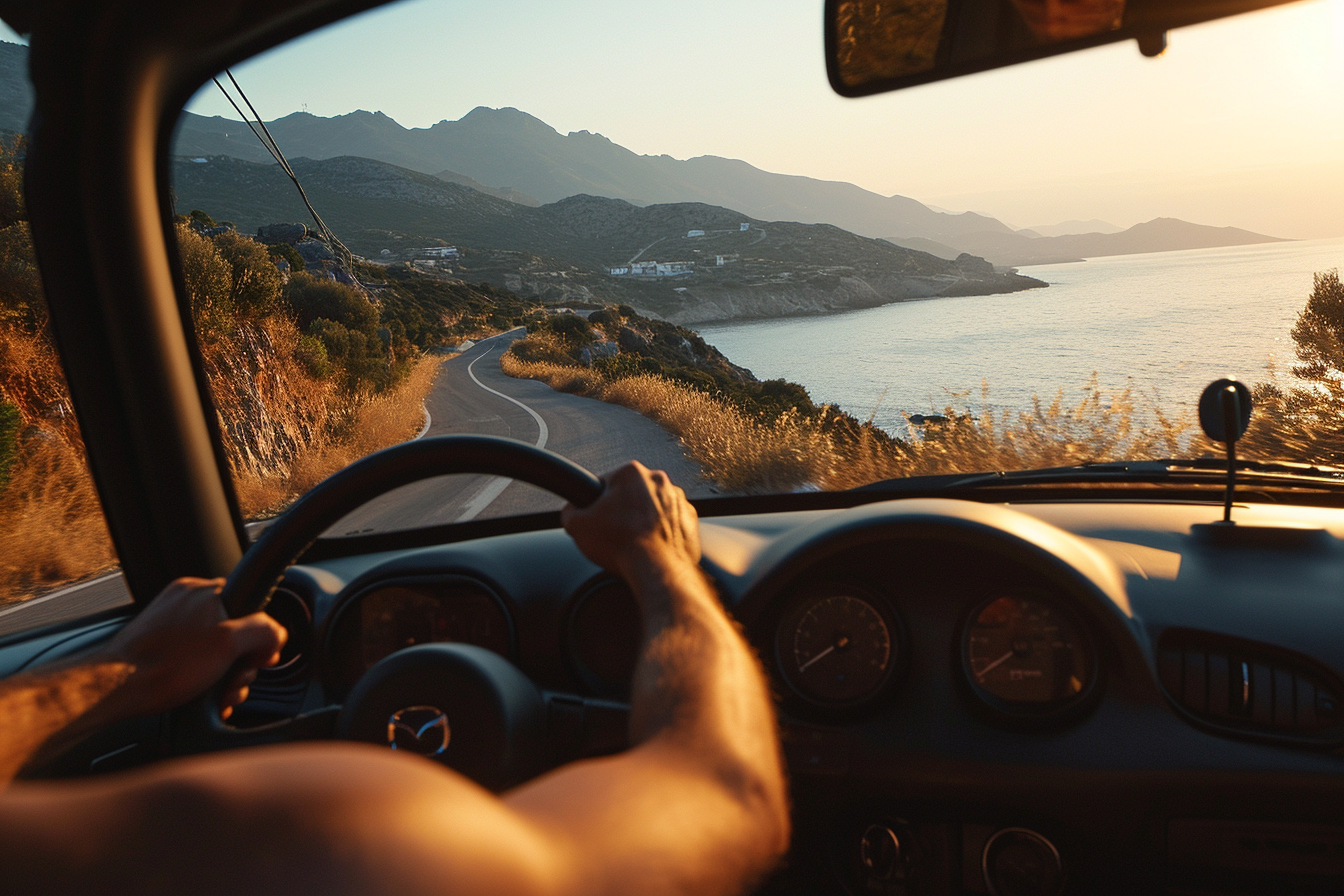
374 423
284 432
749 454
51 523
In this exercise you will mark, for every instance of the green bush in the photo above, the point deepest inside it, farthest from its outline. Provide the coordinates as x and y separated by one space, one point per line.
289 254
209 280
254 290
311 352
320 297
10 424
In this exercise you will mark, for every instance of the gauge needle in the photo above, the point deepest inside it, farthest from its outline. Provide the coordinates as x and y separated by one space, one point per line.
803 667
994 665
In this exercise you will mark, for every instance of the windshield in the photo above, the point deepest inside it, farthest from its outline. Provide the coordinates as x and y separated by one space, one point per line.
612 231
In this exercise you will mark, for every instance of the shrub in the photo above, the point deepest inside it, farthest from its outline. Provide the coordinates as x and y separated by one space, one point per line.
311 352
209 281
287 253
254 290
21 298
10 423
314 297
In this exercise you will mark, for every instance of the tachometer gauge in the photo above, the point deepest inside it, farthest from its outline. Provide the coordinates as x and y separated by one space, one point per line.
1024 654
837 646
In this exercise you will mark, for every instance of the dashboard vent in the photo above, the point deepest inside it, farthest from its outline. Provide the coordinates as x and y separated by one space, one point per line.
1249 687
291 611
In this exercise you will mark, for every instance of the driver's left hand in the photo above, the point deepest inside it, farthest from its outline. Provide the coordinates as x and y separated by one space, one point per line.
183 643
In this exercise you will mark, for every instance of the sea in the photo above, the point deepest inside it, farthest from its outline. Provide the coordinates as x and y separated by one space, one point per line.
1163 324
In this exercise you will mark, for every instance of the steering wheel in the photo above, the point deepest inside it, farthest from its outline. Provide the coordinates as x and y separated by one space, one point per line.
253 581
250 586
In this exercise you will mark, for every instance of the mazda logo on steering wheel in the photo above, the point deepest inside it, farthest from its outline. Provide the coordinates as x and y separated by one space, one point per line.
419 729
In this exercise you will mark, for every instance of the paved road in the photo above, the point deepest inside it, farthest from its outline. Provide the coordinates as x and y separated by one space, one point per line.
470 395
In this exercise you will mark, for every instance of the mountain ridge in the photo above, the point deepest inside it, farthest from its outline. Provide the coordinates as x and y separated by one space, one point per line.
509 147
1157 235
563 251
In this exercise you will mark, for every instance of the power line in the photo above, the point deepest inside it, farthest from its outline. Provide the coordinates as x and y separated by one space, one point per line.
344 257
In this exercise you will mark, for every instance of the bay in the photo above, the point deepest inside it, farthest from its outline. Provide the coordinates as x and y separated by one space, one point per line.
1164 324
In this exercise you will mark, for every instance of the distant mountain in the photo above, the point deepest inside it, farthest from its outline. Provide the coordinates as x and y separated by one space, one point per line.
920 244
1068 228
511 150
1157 235
743 267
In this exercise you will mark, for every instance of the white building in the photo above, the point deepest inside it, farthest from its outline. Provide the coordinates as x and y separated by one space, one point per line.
691 233
744 226
653 269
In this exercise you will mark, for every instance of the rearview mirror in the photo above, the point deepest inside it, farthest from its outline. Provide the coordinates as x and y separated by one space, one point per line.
874 46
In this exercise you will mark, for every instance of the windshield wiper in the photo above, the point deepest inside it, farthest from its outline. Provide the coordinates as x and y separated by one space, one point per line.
1196 470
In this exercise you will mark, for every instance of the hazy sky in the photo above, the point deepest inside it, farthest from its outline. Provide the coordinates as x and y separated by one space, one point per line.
1240 123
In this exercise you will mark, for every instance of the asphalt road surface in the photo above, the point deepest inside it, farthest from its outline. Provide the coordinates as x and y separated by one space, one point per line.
470 395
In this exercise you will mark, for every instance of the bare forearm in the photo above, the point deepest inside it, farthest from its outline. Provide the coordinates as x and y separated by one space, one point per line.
699 691
49 708
699 804
697 683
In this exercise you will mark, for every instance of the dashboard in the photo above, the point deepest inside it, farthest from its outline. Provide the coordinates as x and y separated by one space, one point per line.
1091 696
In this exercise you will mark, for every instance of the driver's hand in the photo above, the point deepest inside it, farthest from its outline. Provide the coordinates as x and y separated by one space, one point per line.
641 523
183 643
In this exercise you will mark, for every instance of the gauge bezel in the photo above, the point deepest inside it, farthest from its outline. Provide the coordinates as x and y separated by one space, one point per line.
1065 710
330 670
591 680
795 606
297 655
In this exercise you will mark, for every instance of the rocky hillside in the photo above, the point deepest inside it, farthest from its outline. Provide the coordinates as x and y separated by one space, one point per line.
562 252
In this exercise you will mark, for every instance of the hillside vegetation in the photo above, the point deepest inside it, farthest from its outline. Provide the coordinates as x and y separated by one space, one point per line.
562 252
307 374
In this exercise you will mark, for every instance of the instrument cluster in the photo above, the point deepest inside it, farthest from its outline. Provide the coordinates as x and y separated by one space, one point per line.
1023 654
390 616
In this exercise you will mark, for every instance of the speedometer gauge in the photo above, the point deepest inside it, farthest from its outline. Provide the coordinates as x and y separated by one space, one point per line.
1024 654
837 646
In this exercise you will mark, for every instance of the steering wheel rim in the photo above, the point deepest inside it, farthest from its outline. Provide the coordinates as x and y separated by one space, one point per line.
249 587
198 726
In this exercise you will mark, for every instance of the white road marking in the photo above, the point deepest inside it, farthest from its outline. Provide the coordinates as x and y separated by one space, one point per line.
496 485
542 432
428 420
34 601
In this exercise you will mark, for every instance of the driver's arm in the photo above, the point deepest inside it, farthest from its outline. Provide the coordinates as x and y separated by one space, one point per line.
175 648
698 806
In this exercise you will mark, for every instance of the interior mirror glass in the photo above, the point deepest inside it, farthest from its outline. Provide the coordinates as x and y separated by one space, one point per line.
878 45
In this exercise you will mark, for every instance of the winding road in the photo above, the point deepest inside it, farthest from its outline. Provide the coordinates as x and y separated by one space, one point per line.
470 395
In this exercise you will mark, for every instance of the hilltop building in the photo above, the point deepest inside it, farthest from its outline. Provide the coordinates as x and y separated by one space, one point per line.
653 269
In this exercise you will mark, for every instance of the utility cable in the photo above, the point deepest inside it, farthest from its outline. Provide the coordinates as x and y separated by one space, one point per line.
344 257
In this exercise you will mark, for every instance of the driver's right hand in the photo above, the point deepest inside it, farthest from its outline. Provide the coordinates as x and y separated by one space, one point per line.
642 523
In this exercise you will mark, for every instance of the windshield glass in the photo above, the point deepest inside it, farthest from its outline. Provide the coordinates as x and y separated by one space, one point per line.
614 232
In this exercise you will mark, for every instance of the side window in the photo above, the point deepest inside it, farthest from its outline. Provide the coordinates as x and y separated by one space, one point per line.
56 557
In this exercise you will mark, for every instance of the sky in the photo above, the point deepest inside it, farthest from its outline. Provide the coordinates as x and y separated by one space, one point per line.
1240 123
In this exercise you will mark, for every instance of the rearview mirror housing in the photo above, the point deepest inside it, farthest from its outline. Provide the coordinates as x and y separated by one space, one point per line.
873 46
